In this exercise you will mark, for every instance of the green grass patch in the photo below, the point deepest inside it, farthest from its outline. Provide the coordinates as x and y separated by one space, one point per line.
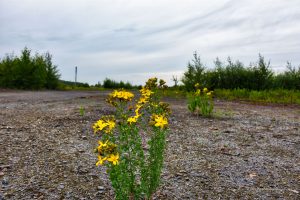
264 96
173 93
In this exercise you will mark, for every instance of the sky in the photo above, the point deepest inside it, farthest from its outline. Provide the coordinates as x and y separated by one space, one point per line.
133 40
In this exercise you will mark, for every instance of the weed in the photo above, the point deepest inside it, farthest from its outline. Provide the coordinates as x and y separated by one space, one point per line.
134 166
81 111
201 101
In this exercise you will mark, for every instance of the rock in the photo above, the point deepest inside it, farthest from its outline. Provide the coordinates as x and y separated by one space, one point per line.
5 181
101 188
84 137
61 186
81 150
5 166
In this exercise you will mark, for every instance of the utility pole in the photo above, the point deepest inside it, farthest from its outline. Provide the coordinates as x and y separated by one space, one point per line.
75 75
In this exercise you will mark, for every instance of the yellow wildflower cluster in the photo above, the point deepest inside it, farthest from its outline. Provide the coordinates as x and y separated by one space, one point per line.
159 120
204 91
107 152
145 96
120 95
106 124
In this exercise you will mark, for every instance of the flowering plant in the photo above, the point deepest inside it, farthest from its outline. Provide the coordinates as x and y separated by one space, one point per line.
133 141
201 101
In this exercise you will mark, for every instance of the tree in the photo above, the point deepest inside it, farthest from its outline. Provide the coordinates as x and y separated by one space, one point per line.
28 72
52 75
194 73
263 74
175 79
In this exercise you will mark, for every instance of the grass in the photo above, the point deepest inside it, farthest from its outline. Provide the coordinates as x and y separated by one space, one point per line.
280 96
173 93
263 96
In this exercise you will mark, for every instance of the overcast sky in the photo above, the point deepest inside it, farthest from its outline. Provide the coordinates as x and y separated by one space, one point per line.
137 39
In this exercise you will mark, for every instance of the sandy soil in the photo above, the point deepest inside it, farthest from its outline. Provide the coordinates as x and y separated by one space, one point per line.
245 152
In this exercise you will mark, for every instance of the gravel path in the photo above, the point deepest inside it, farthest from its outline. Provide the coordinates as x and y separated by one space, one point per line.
245 152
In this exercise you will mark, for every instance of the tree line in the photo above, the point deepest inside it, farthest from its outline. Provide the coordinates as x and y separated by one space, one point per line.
28 71
235 75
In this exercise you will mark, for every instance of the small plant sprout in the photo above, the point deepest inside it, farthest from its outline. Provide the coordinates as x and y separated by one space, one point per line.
81 111
132 142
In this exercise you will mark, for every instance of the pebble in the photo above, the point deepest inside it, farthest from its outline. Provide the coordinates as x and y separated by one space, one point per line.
5 181
61 186
81 150
84 137
101 188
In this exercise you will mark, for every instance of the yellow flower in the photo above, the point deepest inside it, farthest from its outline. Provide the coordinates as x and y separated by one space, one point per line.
205 90
99 125
101 160
146 92
137 109
102 146
114 159
198 92
197 85
160 121
142 100
111 125
131 120
121 95
106 123
209 93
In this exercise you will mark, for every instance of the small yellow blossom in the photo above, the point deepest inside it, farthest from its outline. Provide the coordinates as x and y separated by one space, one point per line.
114 159
197 85
101 144
146 92
121 95
137 109
209 93
106 124
101 160
131 120
111 125
99 125
205 90
142 100
160 120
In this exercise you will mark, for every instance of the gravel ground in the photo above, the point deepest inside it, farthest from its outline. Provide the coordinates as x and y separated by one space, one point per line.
246 151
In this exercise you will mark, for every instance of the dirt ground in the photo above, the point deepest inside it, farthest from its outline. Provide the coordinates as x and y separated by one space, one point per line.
245 151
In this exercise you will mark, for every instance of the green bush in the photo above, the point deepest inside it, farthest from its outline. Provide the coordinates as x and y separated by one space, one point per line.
28 72
269 96
111 84
235 75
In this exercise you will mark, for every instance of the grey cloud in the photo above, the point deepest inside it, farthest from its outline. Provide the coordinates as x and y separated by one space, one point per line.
105 42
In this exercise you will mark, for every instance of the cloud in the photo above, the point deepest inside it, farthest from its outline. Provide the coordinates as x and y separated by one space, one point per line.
124 39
